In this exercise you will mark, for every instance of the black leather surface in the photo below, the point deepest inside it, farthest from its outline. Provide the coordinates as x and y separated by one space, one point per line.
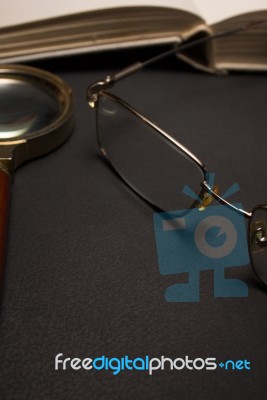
82 277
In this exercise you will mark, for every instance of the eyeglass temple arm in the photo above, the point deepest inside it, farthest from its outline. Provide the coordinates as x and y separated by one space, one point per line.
137 66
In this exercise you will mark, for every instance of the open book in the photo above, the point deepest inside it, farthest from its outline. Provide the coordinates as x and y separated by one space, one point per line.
32 29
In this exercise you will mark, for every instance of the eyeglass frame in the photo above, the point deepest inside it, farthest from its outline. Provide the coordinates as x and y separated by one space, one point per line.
100 88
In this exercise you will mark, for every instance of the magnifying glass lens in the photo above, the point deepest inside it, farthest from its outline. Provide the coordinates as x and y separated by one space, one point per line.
25 107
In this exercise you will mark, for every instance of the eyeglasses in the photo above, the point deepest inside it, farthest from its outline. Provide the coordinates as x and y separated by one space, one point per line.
157 166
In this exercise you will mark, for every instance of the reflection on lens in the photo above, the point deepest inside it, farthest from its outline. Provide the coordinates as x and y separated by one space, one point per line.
25 107
147 161
258 242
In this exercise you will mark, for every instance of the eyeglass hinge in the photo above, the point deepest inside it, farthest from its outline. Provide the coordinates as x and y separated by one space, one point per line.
94 90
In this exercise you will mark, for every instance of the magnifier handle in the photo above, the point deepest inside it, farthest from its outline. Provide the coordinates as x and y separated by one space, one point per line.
5 181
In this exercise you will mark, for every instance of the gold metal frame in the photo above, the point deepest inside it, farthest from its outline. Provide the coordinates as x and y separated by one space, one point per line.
98 89
15 151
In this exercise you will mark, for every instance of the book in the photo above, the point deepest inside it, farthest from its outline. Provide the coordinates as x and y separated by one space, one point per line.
34 29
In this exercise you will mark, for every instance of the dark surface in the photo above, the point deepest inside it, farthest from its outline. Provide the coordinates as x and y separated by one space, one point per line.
82 277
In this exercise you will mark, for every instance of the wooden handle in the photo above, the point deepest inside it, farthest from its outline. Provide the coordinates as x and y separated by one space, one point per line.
4 201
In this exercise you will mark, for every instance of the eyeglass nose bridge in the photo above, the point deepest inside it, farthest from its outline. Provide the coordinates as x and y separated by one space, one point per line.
223 201
207 198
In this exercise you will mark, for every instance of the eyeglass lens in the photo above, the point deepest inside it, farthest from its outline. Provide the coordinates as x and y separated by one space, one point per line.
146 160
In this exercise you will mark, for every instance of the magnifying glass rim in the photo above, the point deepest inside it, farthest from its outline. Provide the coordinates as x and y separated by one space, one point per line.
60 89
16 150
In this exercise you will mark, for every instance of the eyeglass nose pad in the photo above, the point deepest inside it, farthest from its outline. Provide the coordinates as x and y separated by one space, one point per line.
261 238
258 236
208 198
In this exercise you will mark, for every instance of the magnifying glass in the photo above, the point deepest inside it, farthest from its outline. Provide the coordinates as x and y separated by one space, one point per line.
36 116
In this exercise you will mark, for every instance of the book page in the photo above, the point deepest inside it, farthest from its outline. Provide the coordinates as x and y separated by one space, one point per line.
14 12
213 11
